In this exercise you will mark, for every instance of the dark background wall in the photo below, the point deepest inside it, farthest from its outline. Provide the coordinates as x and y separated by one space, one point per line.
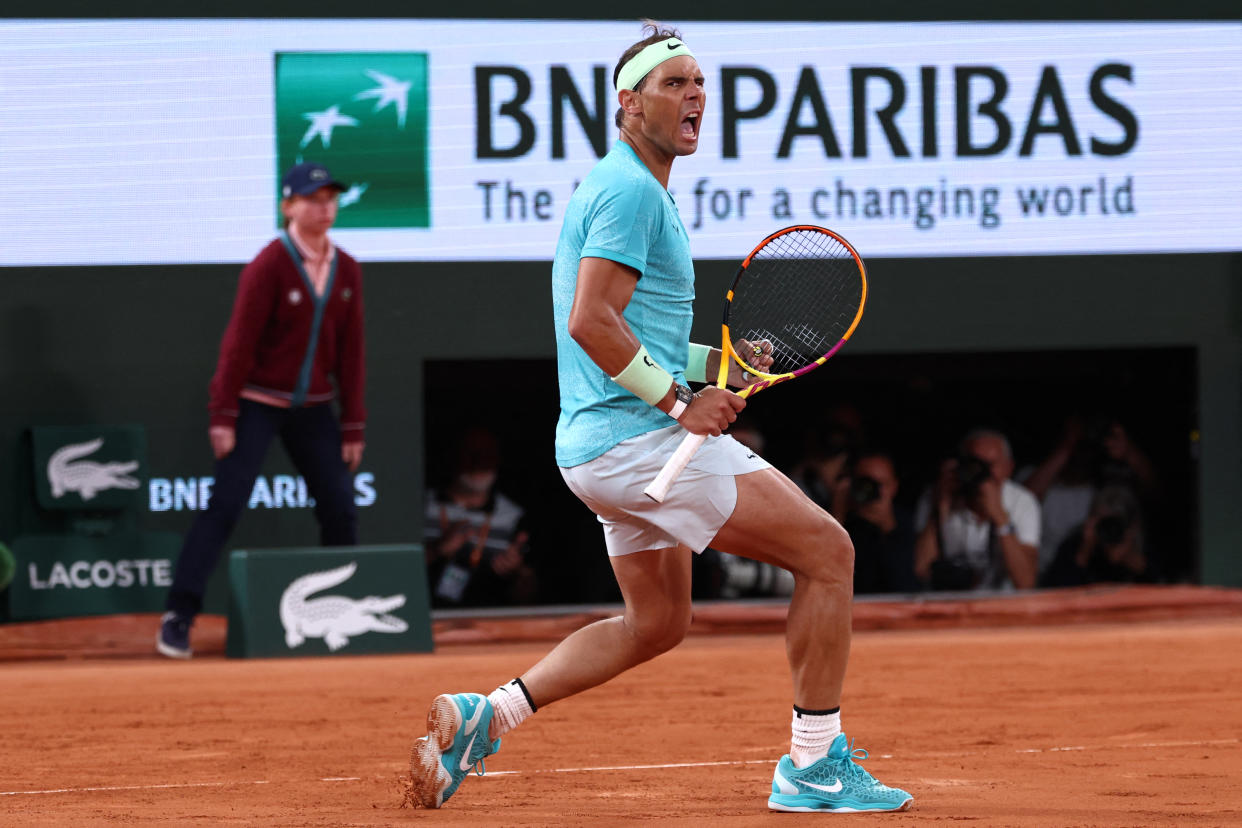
137 345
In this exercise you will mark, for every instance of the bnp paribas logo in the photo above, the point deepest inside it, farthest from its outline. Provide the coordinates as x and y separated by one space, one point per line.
364 116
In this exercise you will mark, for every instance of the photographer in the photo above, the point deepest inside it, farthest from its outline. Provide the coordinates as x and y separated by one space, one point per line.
978 529
823 474
475 536
883 537
1108 548
1093 452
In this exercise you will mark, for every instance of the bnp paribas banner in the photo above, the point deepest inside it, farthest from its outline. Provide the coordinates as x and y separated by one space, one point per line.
163 141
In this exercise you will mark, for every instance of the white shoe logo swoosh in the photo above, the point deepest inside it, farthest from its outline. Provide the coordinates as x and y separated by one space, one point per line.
465 763
473 721
835 787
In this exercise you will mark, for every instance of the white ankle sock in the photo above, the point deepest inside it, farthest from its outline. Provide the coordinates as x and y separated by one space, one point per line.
512 706
813 732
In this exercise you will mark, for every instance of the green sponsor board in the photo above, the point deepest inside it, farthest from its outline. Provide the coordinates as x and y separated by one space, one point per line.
59 576
328 601
364 116
89 468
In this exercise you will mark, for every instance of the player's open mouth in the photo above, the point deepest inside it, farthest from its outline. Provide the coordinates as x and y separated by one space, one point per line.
690 126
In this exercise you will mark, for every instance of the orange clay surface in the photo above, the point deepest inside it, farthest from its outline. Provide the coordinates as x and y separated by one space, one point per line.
1102 722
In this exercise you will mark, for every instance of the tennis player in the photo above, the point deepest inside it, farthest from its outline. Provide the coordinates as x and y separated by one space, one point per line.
623 290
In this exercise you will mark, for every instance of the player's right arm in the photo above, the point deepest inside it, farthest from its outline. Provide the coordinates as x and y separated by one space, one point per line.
597 323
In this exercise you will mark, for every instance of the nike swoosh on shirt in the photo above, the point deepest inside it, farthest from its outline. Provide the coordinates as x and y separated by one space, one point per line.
835 787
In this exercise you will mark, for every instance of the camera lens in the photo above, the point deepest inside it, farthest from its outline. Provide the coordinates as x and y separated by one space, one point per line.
864 490
971 473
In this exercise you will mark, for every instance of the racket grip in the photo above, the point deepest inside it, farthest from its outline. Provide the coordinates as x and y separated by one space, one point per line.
657 490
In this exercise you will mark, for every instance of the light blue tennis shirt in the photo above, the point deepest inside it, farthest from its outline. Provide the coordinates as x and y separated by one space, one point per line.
620 212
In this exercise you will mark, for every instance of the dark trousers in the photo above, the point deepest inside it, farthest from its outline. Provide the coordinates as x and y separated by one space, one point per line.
313 439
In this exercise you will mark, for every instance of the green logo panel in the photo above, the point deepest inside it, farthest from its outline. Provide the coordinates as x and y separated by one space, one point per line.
364 116
328 600
89 467
61 576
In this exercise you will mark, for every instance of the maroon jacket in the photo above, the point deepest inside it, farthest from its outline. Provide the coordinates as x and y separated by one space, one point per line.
276 321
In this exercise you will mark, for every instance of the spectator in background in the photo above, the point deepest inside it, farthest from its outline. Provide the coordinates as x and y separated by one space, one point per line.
1090 455
474 535
977 528
1108 547
296 326
823 472
828 450
742 577
883 535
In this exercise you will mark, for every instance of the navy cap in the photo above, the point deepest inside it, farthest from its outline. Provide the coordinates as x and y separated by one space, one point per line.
307 177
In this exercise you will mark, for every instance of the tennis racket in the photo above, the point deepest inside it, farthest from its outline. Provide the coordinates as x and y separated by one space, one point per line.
797 298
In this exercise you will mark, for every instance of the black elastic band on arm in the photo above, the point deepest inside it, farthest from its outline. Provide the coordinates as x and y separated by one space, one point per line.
526 693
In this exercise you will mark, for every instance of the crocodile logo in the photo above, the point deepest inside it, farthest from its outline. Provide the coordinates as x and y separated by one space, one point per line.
334 618
67 472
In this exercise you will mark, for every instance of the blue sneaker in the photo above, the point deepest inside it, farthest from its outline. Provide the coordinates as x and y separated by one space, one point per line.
455 744
835 783
173 639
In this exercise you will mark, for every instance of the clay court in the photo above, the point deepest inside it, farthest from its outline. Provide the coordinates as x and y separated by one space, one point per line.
1090 708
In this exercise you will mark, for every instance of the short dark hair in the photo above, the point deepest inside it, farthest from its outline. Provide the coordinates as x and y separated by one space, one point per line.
653 31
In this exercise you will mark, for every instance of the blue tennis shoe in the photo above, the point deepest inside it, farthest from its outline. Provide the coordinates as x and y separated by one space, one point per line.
455 744
836 783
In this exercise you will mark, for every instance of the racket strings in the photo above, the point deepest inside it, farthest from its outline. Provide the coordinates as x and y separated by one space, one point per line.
802 291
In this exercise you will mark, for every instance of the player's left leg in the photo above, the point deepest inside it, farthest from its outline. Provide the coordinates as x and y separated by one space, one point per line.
775 522
821 772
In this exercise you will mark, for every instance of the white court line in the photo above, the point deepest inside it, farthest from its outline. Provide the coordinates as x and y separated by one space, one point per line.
1138 745
1058 749
137 787
637 767
665 766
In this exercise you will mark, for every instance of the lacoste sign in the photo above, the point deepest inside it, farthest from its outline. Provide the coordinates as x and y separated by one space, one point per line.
61 576
68 472
88 467
340 600
334 618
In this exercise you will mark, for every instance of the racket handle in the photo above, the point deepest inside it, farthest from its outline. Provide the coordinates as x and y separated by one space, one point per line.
658 489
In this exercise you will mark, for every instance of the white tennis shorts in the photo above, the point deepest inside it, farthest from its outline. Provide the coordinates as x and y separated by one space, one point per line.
698 504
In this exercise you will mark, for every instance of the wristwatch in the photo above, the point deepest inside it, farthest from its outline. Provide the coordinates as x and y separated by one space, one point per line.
684 397
1007 529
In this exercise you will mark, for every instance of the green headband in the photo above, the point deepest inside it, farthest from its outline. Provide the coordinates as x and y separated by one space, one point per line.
648 59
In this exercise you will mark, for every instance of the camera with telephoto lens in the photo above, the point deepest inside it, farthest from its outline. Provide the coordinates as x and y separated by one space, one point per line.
970 474
864 490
